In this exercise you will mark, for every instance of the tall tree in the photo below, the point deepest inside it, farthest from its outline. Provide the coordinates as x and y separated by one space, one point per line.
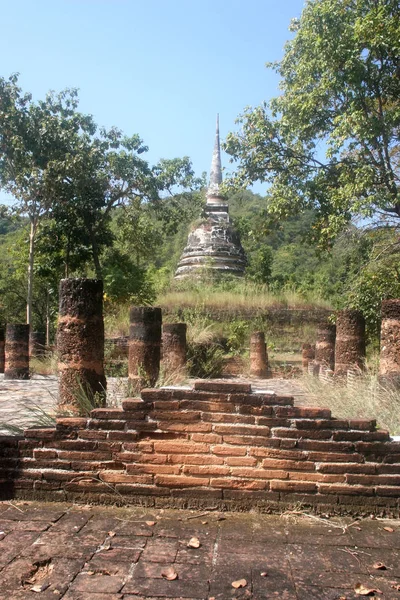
34 140
106 172
330 141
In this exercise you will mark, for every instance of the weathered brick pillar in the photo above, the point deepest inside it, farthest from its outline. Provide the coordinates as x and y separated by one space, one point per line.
17 352
307 355
350 341
389 364
37 343
80 343
2 357
325 345
174 347
144 346
258 355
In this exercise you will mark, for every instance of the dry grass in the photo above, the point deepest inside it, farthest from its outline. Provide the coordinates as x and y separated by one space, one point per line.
363 398
243 297
116 320
46 365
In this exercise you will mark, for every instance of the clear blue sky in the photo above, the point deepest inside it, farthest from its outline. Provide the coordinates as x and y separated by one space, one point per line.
159 68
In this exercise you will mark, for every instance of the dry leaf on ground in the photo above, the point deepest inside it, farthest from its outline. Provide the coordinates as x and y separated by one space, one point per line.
151 523
40 588
389 529
239 583
362 590
170 574
380 566
194 542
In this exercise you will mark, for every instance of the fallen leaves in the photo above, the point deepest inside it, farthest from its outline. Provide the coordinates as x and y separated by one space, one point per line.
240 583
151 523
40 587
389 529
380 566
362 590
169 574
194 542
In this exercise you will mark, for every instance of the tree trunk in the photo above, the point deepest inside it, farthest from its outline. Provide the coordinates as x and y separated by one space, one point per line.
47 320
67 258
32 238
96 258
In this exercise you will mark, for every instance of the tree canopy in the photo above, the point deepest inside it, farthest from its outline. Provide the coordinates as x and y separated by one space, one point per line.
330 141
68 178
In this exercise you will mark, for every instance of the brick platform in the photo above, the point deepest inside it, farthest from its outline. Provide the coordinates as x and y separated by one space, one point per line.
90 553
214 445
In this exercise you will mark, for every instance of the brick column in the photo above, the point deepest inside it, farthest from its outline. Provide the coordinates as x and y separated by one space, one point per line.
389 363
37 343
325 345
144 346
174 347
17 352
80 343
350 341
258 355
307 355
2 357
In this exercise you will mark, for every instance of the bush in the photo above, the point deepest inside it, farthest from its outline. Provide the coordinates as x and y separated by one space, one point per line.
205 360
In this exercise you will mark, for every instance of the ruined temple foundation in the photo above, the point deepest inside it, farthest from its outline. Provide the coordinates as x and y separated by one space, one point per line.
2 350
144 346
350 342
258 355
325 346
217 445
37 343
174 348
80 343
17 352
389 365
307 355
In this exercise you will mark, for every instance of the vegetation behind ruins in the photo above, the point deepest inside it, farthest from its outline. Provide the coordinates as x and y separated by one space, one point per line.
326 235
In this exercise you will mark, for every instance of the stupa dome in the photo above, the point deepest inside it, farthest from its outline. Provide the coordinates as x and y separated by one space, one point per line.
213 244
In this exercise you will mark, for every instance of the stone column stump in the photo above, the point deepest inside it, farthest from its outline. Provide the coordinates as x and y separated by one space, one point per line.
350 341
144 346
2 350
80 344
389 363
325 345
307 355
37 343
17 352
174 348
258 355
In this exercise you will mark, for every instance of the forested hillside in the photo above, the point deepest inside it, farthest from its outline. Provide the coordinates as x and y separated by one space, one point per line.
139 261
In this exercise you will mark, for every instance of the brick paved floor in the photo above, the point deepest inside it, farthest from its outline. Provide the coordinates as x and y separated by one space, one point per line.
104 553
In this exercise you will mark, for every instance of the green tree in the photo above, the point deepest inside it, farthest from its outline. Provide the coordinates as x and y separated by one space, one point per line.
106 172
330 141
35 138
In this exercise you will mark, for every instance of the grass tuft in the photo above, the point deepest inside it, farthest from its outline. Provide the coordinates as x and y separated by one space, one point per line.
364 398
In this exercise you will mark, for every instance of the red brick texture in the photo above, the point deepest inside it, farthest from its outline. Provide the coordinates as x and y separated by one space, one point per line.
216 444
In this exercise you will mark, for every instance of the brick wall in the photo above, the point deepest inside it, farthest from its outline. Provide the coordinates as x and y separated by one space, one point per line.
214 445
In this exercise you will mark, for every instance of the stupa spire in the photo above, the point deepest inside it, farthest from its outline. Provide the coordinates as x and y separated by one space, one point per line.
216 168
213 245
